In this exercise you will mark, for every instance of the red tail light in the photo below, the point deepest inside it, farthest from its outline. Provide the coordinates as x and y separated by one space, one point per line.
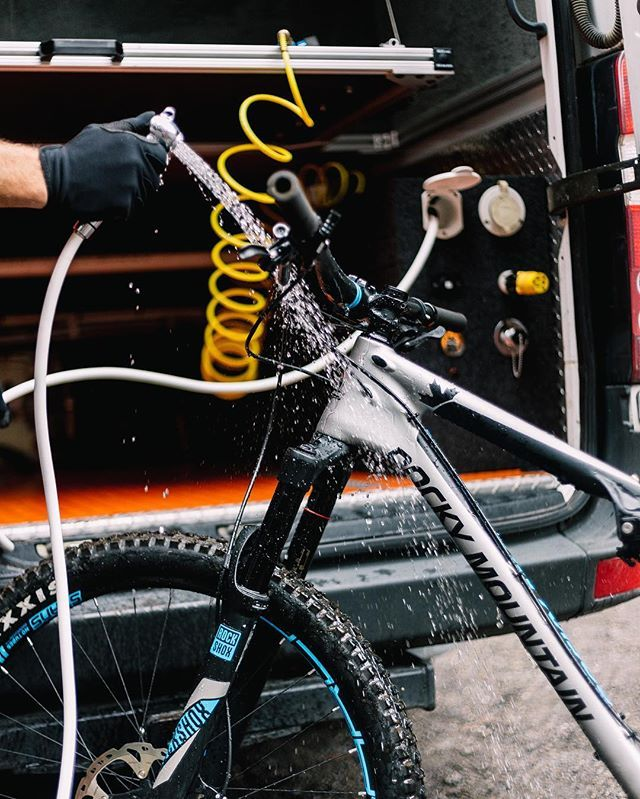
624 99
614 577
626 151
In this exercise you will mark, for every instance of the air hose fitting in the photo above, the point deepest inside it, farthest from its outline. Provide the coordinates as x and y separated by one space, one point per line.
233 311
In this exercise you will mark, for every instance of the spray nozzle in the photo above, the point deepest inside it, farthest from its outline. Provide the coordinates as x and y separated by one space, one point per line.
162 128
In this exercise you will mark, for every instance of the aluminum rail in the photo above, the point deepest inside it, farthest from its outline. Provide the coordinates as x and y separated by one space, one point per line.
393 61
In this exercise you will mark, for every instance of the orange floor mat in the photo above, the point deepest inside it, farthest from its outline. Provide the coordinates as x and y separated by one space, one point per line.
104 497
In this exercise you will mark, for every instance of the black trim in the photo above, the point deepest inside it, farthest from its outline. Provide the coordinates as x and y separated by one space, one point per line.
590 401
443 59
593 184
109 48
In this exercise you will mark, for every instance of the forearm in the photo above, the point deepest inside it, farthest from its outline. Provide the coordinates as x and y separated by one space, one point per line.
22 183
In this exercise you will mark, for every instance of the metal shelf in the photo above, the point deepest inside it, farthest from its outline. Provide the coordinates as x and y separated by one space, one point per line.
396 62
50 99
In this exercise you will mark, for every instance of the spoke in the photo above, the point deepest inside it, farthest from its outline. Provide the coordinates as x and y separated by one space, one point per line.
57 693
272 785
87 760
35 757
31 696
135 616
125 713
257 670
35 731
46 673
288 741
157 658
117 664
41 759
265 703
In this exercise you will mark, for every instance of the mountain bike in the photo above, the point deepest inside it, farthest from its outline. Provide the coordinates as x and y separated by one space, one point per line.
264 632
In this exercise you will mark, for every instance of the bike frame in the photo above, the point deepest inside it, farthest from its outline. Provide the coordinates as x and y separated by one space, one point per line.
379 406
370 415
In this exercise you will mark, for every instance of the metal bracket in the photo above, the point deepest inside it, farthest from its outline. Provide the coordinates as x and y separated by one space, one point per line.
365 143
110 48
593 184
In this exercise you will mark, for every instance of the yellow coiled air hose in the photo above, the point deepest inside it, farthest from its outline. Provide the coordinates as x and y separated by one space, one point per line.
232 311
316 181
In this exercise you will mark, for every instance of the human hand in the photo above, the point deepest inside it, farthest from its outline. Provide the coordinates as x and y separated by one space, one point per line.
107 171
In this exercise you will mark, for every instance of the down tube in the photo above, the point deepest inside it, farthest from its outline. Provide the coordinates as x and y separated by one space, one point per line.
365 414
531 619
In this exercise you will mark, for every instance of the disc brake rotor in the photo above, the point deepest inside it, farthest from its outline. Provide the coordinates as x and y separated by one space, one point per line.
139 757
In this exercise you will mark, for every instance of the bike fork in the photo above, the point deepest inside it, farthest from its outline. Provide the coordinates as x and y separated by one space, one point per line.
208 719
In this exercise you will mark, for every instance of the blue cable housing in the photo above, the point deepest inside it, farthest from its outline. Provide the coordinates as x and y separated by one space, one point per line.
354 303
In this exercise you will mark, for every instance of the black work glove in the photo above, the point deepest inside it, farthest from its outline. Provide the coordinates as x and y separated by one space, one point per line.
106 171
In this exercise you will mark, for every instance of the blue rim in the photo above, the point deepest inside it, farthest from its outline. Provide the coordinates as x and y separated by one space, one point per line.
356 735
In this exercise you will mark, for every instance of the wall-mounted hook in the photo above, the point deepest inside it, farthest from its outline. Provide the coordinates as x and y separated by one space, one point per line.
529 25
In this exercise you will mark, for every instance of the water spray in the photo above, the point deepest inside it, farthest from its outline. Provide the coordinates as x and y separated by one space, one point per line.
163 129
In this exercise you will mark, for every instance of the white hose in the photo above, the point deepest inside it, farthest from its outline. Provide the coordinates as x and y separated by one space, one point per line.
43 341
39 385
203 386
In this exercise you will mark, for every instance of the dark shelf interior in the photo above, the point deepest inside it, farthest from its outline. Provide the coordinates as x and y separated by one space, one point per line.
45 105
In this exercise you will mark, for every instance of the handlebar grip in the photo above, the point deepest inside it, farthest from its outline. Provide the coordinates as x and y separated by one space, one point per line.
451 320
286 190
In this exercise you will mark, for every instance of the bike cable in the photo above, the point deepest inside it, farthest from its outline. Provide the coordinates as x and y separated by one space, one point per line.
261 320
224 572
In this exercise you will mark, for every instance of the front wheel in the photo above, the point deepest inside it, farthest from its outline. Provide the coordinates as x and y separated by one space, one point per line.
329 720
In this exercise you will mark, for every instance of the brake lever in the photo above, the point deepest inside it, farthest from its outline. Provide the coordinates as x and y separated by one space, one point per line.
276 259
256 253
411 341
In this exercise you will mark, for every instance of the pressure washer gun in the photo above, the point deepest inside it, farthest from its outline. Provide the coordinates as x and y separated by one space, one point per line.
162 128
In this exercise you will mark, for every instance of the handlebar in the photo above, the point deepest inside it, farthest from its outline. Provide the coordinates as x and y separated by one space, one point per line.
305 226
286 190
451 320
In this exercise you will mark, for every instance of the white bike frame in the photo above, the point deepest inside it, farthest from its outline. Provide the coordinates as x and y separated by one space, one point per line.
366 412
